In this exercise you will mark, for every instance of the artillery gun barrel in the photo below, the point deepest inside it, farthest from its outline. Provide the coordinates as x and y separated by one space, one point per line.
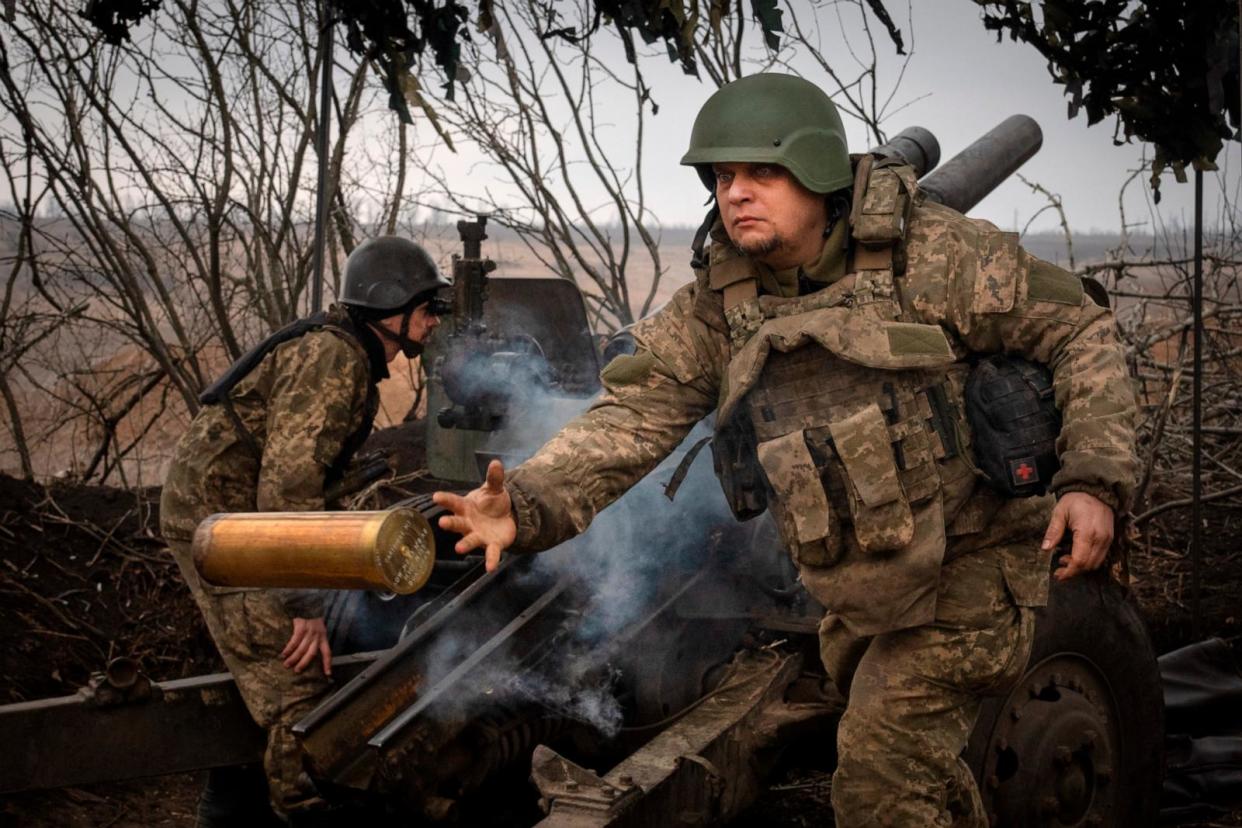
966 178
390 550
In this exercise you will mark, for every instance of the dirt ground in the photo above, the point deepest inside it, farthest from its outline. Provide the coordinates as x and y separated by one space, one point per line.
1162 578
84 578
163 802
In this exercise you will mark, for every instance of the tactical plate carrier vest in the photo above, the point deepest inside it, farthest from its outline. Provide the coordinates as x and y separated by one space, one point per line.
855 419
218 393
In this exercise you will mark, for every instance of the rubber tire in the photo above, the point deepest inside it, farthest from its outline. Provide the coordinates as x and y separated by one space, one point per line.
1093 617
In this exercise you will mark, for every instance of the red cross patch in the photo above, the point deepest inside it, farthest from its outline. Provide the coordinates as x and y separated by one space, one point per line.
1022 471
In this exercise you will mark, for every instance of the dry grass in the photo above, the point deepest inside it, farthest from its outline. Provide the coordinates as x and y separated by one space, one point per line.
63 426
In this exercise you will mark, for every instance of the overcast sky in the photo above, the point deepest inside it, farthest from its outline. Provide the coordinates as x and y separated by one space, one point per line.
959 83
972 81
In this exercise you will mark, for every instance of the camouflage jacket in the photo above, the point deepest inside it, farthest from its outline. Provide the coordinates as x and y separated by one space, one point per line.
962 275
300 405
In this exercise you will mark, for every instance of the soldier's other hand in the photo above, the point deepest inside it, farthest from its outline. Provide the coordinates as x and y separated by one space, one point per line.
484 517
1090 522
309 639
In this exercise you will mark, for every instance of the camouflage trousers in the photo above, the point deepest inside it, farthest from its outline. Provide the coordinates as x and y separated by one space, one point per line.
250 628
914 695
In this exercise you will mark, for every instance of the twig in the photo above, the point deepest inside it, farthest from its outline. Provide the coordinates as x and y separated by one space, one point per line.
1178 504
55 610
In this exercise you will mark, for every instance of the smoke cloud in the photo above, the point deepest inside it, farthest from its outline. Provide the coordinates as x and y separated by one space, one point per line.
617 568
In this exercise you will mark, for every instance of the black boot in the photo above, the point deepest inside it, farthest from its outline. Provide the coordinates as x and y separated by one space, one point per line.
236 796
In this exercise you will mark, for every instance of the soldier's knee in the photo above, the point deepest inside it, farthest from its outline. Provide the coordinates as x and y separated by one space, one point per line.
868 768
887 774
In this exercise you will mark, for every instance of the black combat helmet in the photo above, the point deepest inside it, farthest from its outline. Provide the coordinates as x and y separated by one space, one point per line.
387 273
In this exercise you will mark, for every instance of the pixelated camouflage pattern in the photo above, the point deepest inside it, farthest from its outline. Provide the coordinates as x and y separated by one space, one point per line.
300 404
843 331
807 378
914 695
250 628
728 266
803 512
962 288
625 433
744 319
953 281
878 507
914 691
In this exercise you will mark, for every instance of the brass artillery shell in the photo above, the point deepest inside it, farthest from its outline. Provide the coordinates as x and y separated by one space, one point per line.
392 550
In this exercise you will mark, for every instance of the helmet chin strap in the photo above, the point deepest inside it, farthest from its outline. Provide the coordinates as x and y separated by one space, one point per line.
408 346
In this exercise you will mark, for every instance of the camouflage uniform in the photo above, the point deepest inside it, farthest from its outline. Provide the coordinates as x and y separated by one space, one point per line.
301 405
928 577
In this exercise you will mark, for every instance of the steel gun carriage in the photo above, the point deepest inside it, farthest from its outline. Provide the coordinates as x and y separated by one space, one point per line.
667 712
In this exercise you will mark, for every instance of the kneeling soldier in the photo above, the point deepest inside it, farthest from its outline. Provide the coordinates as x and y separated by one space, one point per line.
831 326
277 429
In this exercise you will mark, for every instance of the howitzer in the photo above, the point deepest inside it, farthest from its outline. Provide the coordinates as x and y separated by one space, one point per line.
477 398
488 363
470 278
512 345
668 707
362 472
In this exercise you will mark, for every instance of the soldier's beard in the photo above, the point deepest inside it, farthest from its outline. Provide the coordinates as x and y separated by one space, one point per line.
758 248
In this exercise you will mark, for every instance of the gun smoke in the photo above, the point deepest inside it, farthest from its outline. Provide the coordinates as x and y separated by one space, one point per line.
622 562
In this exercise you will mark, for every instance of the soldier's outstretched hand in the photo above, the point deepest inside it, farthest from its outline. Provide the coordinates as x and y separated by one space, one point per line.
1090 521
484 517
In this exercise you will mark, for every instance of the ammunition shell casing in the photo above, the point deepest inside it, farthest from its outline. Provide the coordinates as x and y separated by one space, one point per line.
392 550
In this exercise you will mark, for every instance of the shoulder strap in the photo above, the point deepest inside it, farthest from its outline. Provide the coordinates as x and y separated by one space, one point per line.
219 390
734 277
359 436
885 192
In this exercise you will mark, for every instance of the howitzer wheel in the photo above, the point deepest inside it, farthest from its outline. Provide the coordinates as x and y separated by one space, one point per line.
1079 740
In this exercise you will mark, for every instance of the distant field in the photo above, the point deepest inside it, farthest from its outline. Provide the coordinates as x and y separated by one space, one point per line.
62 442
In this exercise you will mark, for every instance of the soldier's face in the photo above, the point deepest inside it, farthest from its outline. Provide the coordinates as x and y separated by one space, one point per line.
768 215
422 323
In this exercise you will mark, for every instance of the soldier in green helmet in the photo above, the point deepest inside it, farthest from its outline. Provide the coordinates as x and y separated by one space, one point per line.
831 326
277 429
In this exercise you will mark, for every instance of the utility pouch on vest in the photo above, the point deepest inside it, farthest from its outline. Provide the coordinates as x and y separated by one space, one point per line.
809 524
1015 421
878 506
879 217
733 456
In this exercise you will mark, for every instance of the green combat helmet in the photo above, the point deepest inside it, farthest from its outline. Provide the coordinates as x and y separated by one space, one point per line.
772 118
